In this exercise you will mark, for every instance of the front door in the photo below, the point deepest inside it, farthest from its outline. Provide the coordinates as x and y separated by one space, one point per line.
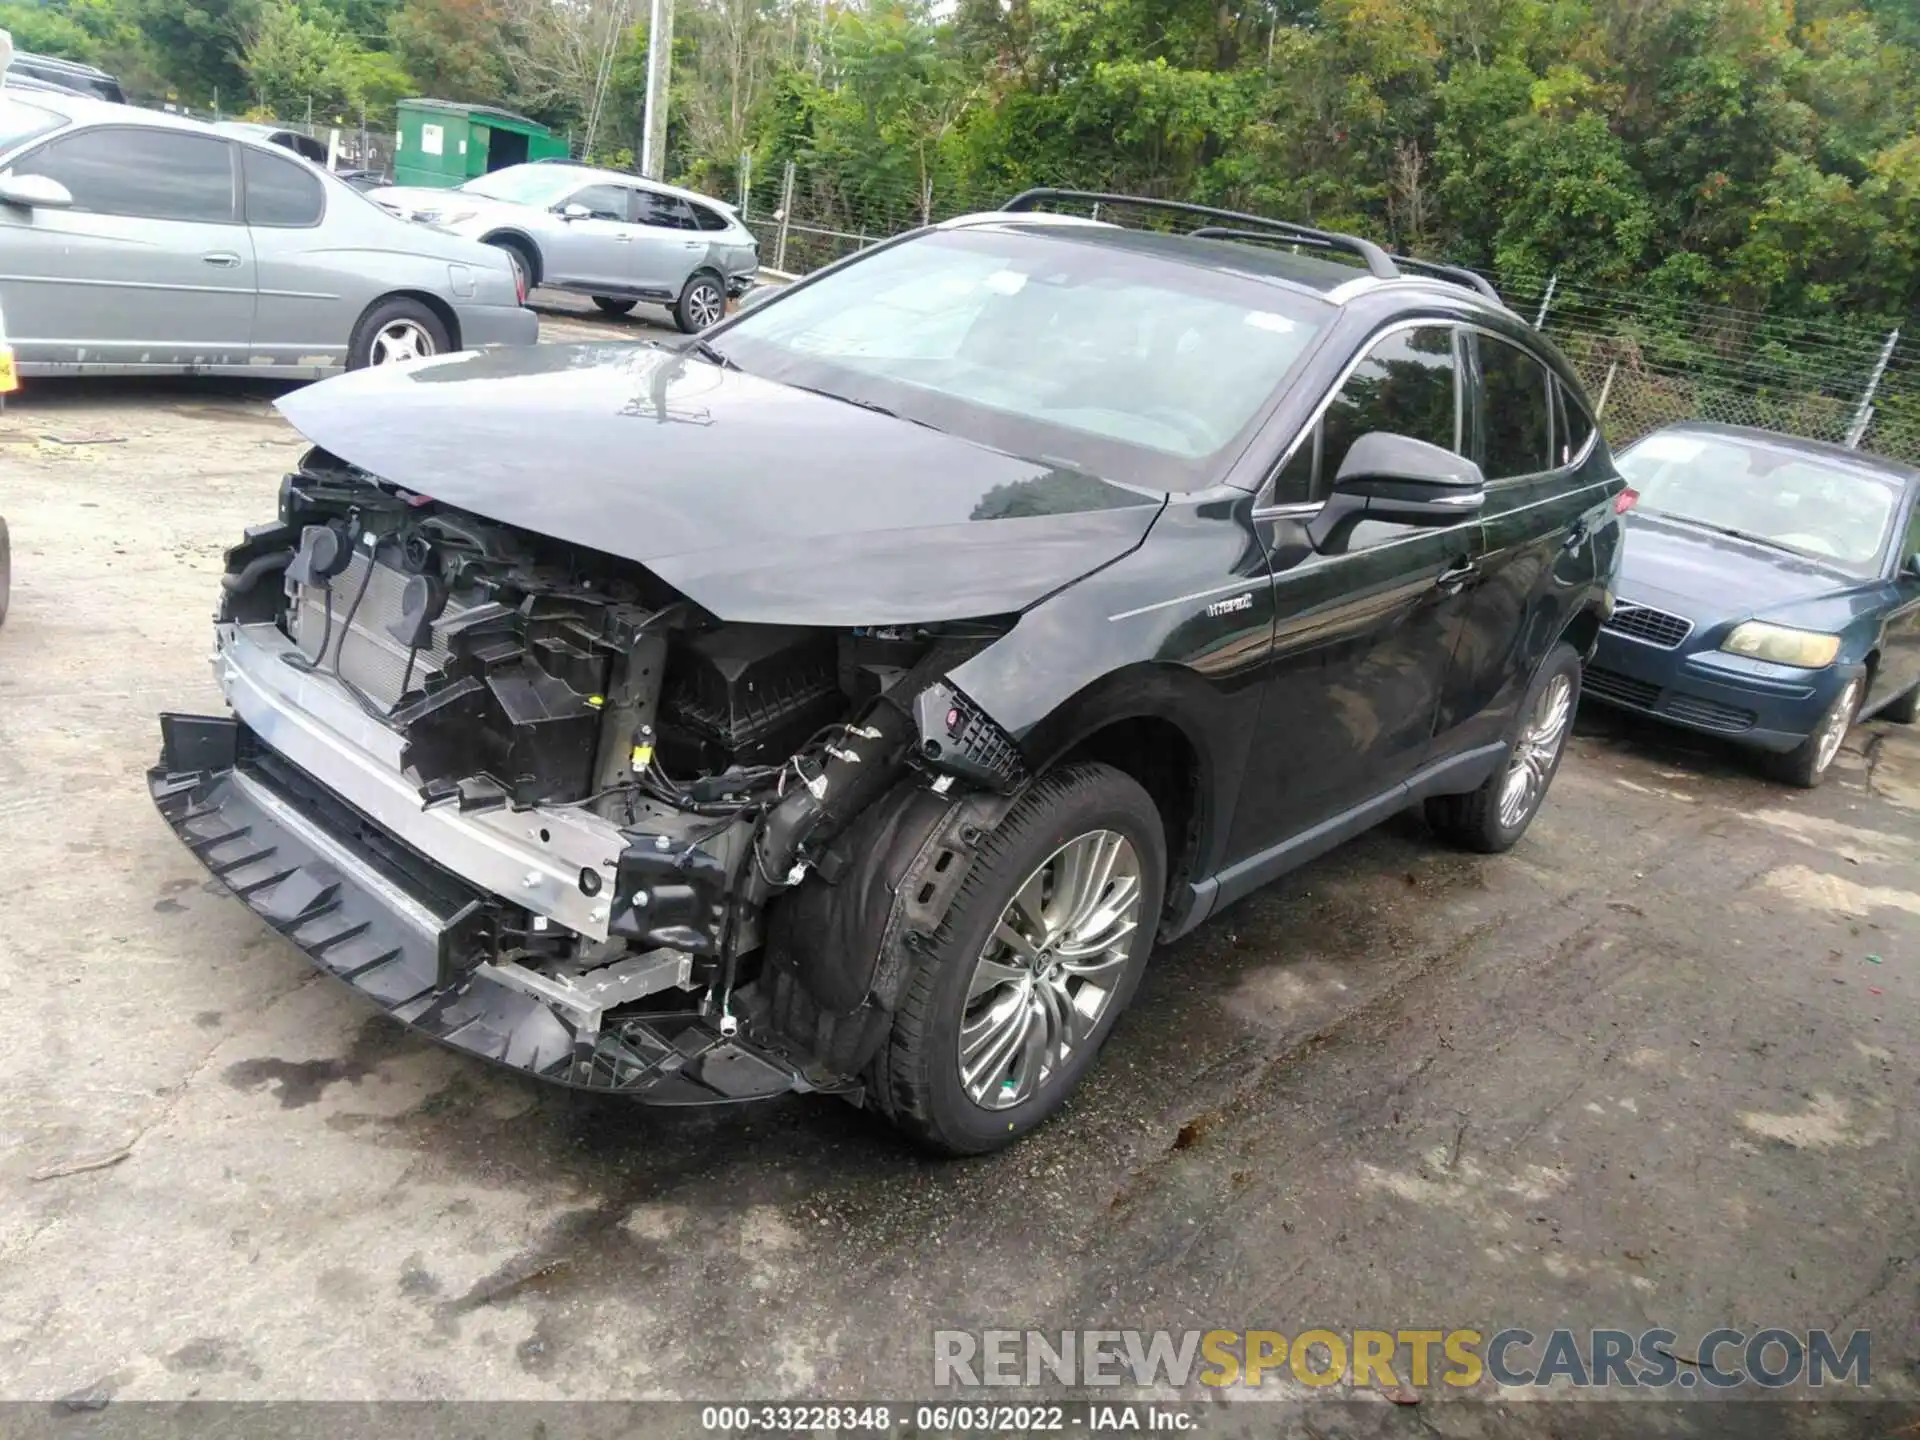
149 266
594 251
1362 638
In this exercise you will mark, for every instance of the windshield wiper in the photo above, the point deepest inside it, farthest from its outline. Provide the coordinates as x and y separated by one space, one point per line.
874 405
706 351
1738 534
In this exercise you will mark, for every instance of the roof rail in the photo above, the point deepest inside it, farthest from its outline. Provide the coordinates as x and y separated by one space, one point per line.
1377 261
1457 274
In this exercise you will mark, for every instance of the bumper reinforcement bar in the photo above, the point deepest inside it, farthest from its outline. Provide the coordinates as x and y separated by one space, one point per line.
416 939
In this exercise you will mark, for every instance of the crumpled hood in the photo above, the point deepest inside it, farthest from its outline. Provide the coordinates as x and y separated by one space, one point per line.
757 501
411 200
1710 578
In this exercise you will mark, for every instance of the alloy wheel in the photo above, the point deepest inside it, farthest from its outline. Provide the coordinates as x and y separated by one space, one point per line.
1833 728
1049 970
400 340
706 305
1535 751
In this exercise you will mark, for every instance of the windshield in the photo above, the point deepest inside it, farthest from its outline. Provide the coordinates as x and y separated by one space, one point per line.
20 121
1822 509
523 184
1087 351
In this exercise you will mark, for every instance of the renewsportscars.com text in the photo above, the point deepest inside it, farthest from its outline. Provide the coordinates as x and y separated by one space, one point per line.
1772 1358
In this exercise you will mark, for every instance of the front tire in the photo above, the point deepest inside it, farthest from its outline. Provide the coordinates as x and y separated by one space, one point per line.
1011 1000
1806 765
701 304
394 330
1492 818
608 305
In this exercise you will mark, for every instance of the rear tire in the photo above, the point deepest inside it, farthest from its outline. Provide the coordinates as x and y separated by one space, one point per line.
6 570
1051 838
396 329
610 306
1492 818
1904 710
702 303
1806 765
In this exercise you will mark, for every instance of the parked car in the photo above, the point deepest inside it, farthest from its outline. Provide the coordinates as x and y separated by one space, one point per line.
305 146
140 242
9 382
614 237
68 75
899 659
1770 592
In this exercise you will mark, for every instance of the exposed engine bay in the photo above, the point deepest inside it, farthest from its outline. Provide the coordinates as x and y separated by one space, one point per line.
633 847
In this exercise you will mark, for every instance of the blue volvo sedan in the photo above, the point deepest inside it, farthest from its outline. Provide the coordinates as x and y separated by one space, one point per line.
1769 592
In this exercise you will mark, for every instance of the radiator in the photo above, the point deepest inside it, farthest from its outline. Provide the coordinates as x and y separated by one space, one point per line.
368 656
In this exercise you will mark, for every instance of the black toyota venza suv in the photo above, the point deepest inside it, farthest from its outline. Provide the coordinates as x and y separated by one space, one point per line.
846 702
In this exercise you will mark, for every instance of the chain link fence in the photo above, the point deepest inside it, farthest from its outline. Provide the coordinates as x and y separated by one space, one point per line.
354 144
1646 361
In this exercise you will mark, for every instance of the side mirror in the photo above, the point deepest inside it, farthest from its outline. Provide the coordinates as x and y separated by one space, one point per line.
34 192
1400 480
575 211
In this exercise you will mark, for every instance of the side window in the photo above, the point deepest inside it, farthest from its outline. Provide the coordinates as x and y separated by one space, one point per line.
1517 411
153 174
707 219
1572 426
605 202
279 192
669 212
1294 484
1406 385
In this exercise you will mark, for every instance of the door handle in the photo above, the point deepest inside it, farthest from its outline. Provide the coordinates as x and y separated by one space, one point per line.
225 259
1457 576
624 239
694 244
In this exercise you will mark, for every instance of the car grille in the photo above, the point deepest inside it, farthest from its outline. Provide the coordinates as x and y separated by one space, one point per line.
1644 623
369 658
1707 714
1621 689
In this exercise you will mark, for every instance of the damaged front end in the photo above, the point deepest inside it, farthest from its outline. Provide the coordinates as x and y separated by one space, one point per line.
544 808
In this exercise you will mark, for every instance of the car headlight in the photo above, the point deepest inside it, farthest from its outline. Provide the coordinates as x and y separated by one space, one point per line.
1807 648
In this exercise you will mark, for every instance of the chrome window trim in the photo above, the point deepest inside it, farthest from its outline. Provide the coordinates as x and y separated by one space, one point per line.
1311 424
1310 427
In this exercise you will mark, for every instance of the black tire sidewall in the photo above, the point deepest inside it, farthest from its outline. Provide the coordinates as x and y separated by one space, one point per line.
518 258
1115 803
6 569
385 312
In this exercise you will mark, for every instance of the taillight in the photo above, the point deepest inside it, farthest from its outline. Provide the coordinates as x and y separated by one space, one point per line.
1625 500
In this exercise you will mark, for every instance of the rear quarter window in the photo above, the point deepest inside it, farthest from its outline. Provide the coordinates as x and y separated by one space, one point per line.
280 193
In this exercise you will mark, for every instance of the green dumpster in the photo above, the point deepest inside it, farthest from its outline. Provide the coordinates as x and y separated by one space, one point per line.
446 143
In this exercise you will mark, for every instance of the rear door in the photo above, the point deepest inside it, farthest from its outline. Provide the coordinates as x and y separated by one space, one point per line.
151 265
672 246
1541 532
1363 638
595 249
303 314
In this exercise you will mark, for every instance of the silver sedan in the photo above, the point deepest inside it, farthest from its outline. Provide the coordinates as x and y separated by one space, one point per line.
135 242
614 237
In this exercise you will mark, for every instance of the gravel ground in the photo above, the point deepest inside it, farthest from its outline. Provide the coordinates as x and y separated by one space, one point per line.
1653 1067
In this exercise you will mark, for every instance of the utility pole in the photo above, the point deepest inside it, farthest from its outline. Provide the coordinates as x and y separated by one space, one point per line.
653 121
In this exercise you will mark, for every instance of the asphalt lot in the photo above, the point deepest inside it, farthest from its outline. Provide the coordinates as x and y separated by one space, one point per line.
1657 1066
